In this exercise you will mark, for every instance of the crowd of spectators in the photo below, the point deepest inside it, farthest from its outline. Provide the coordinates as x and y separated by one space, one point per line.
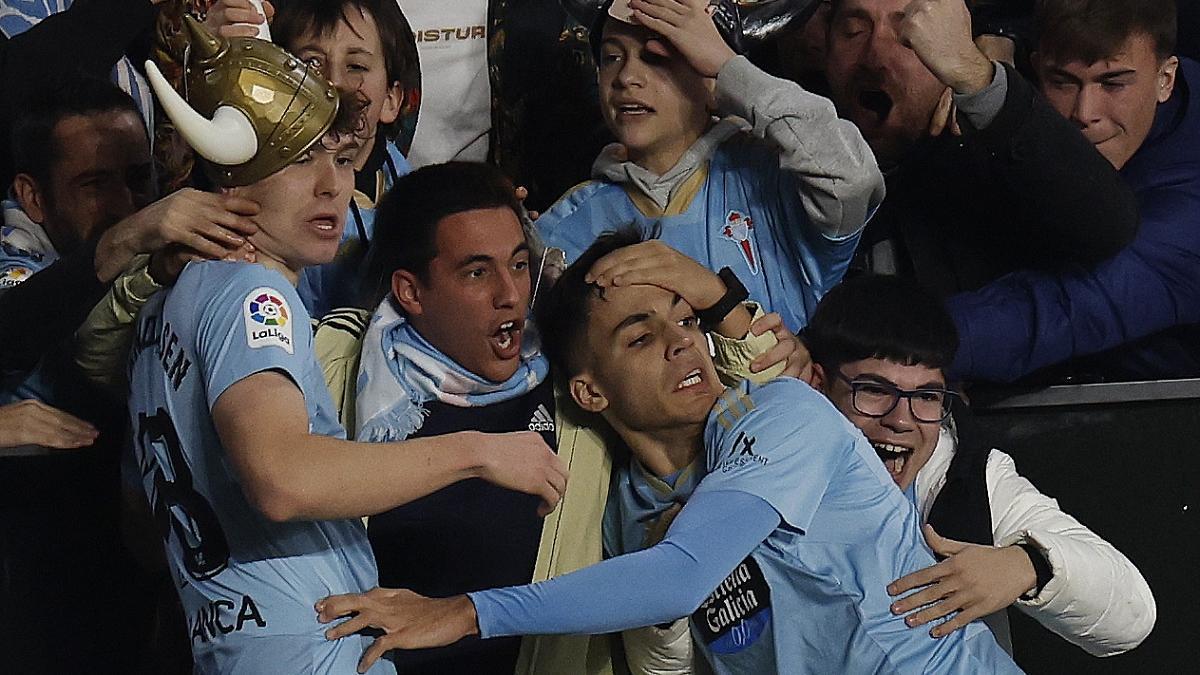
285 346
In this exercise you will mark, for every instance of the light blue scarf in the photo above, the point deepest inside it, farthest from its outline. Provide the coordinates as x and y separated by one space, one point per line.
400 372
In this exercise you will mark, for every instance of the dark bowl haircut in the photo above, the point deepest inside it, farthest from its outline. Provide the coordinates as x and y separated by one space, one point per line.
407 217
882 317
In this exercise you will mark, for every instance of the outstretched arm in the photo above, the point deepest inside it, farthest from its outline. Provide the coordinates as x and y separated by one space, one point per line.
714 532
1028 320
291 474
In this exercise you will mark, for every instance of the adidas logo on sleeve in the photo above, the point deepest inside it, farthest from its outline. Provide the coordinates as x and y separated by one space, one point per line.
541 420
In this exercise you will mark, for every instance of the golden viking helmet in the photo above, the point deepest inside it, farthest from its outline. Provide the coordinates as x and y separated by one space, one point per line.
252 108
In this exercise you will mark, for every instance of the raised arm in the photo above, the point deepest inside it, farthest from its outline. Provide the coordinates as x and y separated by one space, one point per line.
1061 196
291 474
1065 198
839 182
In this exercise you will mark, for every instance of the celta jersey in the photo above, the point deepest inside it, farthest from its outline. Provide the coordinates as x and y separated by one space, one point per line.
742 211
812 598
247 585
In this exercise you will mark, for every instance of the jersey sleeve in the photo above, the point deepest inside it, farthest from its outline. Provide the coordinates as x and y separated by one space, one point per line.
782 442
253 323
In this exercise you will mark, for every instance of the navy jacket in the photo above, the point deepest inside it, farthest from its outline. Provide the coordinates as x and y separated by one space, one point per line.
1137 315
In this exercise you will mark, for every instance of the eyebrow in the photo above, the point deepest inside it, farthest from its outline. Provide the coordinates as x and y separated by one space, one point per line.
872 377
1120 72
1060 73
633 319
360 50
484 258
97 173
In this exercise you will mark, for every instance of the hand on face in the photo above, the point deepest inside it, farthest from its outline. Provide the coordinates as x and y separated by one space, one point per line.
654 263
688 25
939 32
210 225
973 581
237 18
32 422
408 620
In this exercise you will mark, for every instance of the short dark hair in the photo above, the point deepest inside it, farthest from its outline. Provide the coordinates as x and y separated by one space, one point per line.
562 314
1092 30
881 317
407 217
296 18
34 145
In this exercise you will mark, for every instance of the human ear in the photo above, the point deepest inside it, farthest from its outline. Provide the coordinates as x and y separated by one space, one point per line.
585 393
406 289
29 196
818 378
392 104
1166 78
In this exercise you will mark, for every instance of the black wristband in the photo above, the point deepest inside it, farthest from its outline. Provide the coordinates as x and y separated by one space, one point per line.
1041 568
735 293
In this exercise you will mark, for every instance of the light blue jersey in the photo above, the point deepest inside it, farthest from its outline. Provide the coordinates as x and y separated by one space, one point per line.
324 288
812 598
25 250
793 500
746 215
24 247
247 585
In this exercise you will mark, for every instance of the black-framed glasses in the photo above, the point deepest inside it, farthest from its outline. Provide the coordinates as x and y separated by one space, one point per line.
878 399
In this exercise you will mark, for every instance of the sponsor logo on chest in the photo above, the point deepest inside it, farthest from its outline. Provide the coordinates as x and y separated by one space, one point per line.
735 615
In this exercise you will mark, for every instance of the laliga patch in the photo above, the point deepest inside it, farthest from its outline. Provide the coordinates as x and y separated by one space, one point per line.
268 319
13 276
739 229
737 613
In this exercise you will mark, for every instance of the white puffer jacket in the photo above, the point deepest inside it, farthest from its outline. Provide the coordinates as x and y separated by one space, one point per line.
1097 599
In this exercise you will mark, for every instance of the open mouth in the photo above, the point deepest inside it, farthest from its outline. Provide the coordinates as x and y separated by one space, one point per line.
634 109
693 379
894 456
877 102
325 223
507 339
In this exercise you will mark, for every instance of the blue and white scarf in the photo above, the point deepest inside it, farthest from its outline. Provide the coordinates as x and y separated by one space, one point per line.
400 372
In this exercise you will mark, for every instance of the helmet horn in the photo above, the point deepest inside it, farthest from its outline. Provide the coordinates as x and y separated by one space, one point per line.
227 139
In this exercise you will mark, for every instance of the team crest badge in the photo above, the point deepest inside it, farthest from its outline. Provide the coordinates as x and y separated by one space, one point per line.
268 320
13 276
740 230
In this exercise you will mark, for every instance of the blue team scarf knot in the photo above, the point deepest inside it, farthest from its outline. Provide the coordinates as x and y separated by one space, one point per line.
400 372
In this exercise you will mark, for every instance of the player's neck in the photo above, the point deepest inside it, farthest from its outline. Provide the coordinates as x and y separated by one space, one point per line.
665 451
270 262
